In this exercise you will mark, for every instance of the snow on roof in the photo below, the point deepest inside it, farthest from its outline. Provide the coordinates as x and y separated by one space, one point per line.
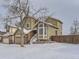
48 24
26 31
12 25
7 34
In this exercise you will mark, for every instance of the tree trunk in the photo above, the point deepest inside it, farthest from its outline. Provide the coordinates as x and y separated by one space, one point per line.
22 38
22 33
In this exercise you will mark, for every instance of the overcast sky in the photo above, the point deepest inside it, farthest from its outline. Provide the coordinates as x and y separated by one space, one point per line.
65 10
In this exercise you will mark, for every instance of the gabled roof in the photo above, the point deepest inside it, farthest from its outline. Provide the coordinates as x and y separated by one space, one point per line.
25 30
2 33
49 24
13 26
7 34
54 19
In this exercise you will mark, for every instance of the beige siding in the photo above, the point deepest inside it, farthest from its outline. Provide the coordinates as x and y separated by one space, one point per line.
31 22
59 28
54 22
17 39
12 30
18 32
27 23
51 32
6 40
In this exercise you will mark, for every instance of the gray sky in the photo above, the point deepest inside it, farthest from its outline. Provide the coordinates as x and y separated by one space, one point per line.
65 10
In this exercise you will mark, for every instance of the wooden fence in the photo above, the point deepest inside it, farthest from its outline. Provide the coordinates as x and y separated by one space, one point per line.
66 39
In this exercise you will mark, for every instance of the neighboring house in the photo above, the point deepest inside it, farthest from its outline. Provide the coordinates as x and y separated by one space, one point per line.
9 36
35 30
1 33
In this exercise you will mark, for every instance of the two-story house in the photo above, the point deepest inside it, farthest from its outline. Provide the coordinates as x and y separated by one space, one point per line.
36 30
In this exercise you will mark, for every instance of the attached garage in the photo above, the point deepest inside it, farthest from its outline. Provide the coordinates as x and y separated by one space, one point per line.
28 34
8 38
17 39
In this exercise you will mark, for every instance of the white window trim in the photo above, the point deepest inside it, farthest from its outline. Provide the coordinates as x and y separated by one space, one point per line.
43 31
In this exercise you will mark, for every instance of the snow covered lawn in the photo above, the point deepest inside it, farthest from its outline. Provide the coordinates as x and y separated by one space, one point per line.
40 51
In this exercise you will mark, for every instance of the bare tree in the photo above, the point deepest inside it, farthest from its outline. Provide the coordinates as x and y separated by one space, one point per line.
21 9
6 21
75 28
17 9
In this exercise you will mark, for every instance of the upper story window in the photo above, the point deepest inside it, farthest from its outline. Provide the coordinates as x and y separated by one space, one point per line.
28 26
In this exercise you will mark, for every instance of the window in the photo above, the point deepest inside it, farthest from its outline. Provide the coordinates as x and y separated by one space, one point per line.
41 31
27 25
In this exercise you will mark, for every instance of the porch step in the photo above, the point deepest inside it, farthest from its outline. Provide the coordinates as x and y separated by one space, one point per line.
34 39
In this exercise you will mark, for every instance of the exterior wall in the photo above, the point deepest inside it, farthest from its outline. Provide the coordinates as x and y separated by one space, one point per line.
27 37
12 39
6 40
52 21
55 32
12 30
17 39
31 22
51 31
28 22
59 25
